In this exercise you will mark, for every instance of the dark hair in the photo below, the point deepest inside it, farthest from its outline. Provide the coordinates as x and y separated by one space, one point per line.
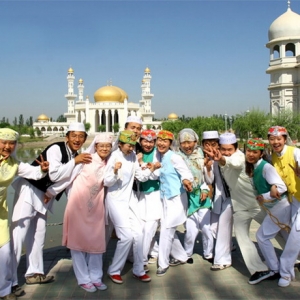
249 168
68 133
285 136
217 140
126 124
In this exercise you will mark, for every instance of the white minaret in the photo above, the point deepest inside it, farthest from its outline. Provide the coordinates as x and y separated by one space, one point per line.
70 115
146 113
284 45
80 90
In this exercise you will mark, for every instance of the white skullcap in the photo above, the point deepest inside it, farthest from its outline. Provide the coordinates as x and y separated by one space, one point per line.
227 138
104 137
209 135
76 126
134 119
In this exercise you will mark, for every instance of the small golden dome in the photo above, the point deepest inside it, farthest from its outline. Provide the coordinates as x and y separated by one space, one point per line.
70 70
110 94
80 80
43 117
143 81
172 116
147 70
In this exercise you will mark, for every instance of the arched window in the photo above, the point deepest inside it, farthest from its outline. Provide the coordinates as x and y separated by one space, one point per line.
290 50
276 53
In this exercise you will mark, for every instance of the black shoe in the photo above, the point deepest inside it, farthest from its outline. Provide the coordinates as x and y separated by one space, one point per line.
175 262
190 260
161 272
259 276
17 291
275 275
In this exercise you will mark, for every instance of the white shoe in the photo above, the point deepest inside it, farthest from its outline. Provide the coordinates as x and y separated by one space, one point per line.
89 287
100 286
284 282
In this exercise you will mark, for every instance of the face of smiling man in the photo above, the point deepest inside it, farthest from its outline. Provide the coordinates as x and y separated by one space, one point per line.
75 140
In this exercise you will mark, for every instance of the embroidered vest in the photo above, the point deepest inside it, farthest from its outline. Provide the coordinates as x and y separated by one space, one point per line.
45 182
287 174
150 185
170 183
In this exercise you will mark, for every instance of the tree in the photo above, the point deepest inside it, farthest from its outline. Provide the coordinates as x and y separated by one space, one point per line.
87 126
116 127
254 123
38 132
101 128
61 118
21 120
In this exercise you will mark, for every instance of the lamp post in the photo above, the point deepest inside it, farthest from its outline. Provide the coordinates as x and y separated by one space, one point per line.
225 117
230 123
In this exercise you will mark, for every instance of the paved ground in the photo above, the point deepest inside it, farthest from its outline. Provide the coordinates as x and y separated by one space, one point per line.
189 281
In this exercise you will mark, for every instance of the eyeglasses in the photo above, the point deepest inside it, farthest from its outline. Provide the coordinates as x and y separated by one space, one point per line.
79 137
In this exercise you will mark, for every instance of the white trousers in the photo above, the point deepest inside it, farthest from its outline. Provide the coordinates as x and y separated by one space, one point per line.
242 220
149 231
6 270
222 231
169 243
292 247
88 267
269 229
199 220
28 226
128 237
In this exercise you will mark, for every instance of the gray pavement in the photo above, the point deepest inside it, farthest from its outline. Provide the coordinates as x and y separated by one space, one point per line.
189 281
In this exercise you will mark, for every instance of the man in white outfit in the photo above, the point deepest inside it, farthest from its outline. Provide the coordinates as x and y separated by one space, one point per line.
31 205
245 206
221 216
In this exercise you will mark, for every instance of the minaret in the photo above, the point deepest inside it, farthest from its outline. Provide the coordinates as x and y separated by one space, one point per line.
146 113
284 65
70 115
80 90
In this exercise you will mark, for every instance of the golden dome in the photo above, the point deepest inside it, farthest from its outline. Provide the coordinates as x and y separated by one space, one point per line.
172 116
80 80
43 117
147 70
70 70
110 93
143 81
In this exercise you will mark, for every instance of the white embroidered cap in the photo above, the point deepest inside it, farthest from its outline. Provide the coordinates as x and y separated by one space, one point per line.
209 135
134 119
227 138
76 126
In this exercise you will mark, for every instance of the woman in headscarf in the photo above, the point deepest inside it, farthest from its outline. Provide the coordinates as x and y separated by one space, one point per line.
84 219
175 180
199 203
9 168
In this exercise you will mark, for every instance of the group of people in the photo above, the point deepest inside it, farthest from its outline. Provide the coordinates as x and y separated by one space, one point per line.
142 182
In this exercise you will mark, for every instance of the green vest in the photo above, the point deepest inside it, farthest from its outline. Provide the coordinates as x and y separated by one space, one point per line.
150 185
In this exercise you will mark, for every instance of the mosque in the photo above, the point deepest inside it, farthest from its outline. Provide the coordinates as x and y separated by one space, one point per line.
110 108
284 46
108 112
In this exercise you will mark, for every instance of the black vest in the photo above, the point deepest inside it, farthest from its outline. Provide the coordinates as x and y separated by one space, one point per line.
45 182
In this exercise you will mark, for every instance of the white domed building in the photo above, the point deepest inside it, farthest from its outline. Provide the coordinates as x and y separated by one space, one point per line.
284 45
110 107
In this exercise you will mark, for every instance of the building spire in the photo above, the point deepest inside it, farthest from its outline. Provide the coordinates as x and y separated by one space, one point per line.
289 4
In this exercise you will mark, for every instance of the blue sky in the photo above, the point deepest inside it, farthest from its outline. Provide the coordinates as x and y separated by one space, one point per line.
206 57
